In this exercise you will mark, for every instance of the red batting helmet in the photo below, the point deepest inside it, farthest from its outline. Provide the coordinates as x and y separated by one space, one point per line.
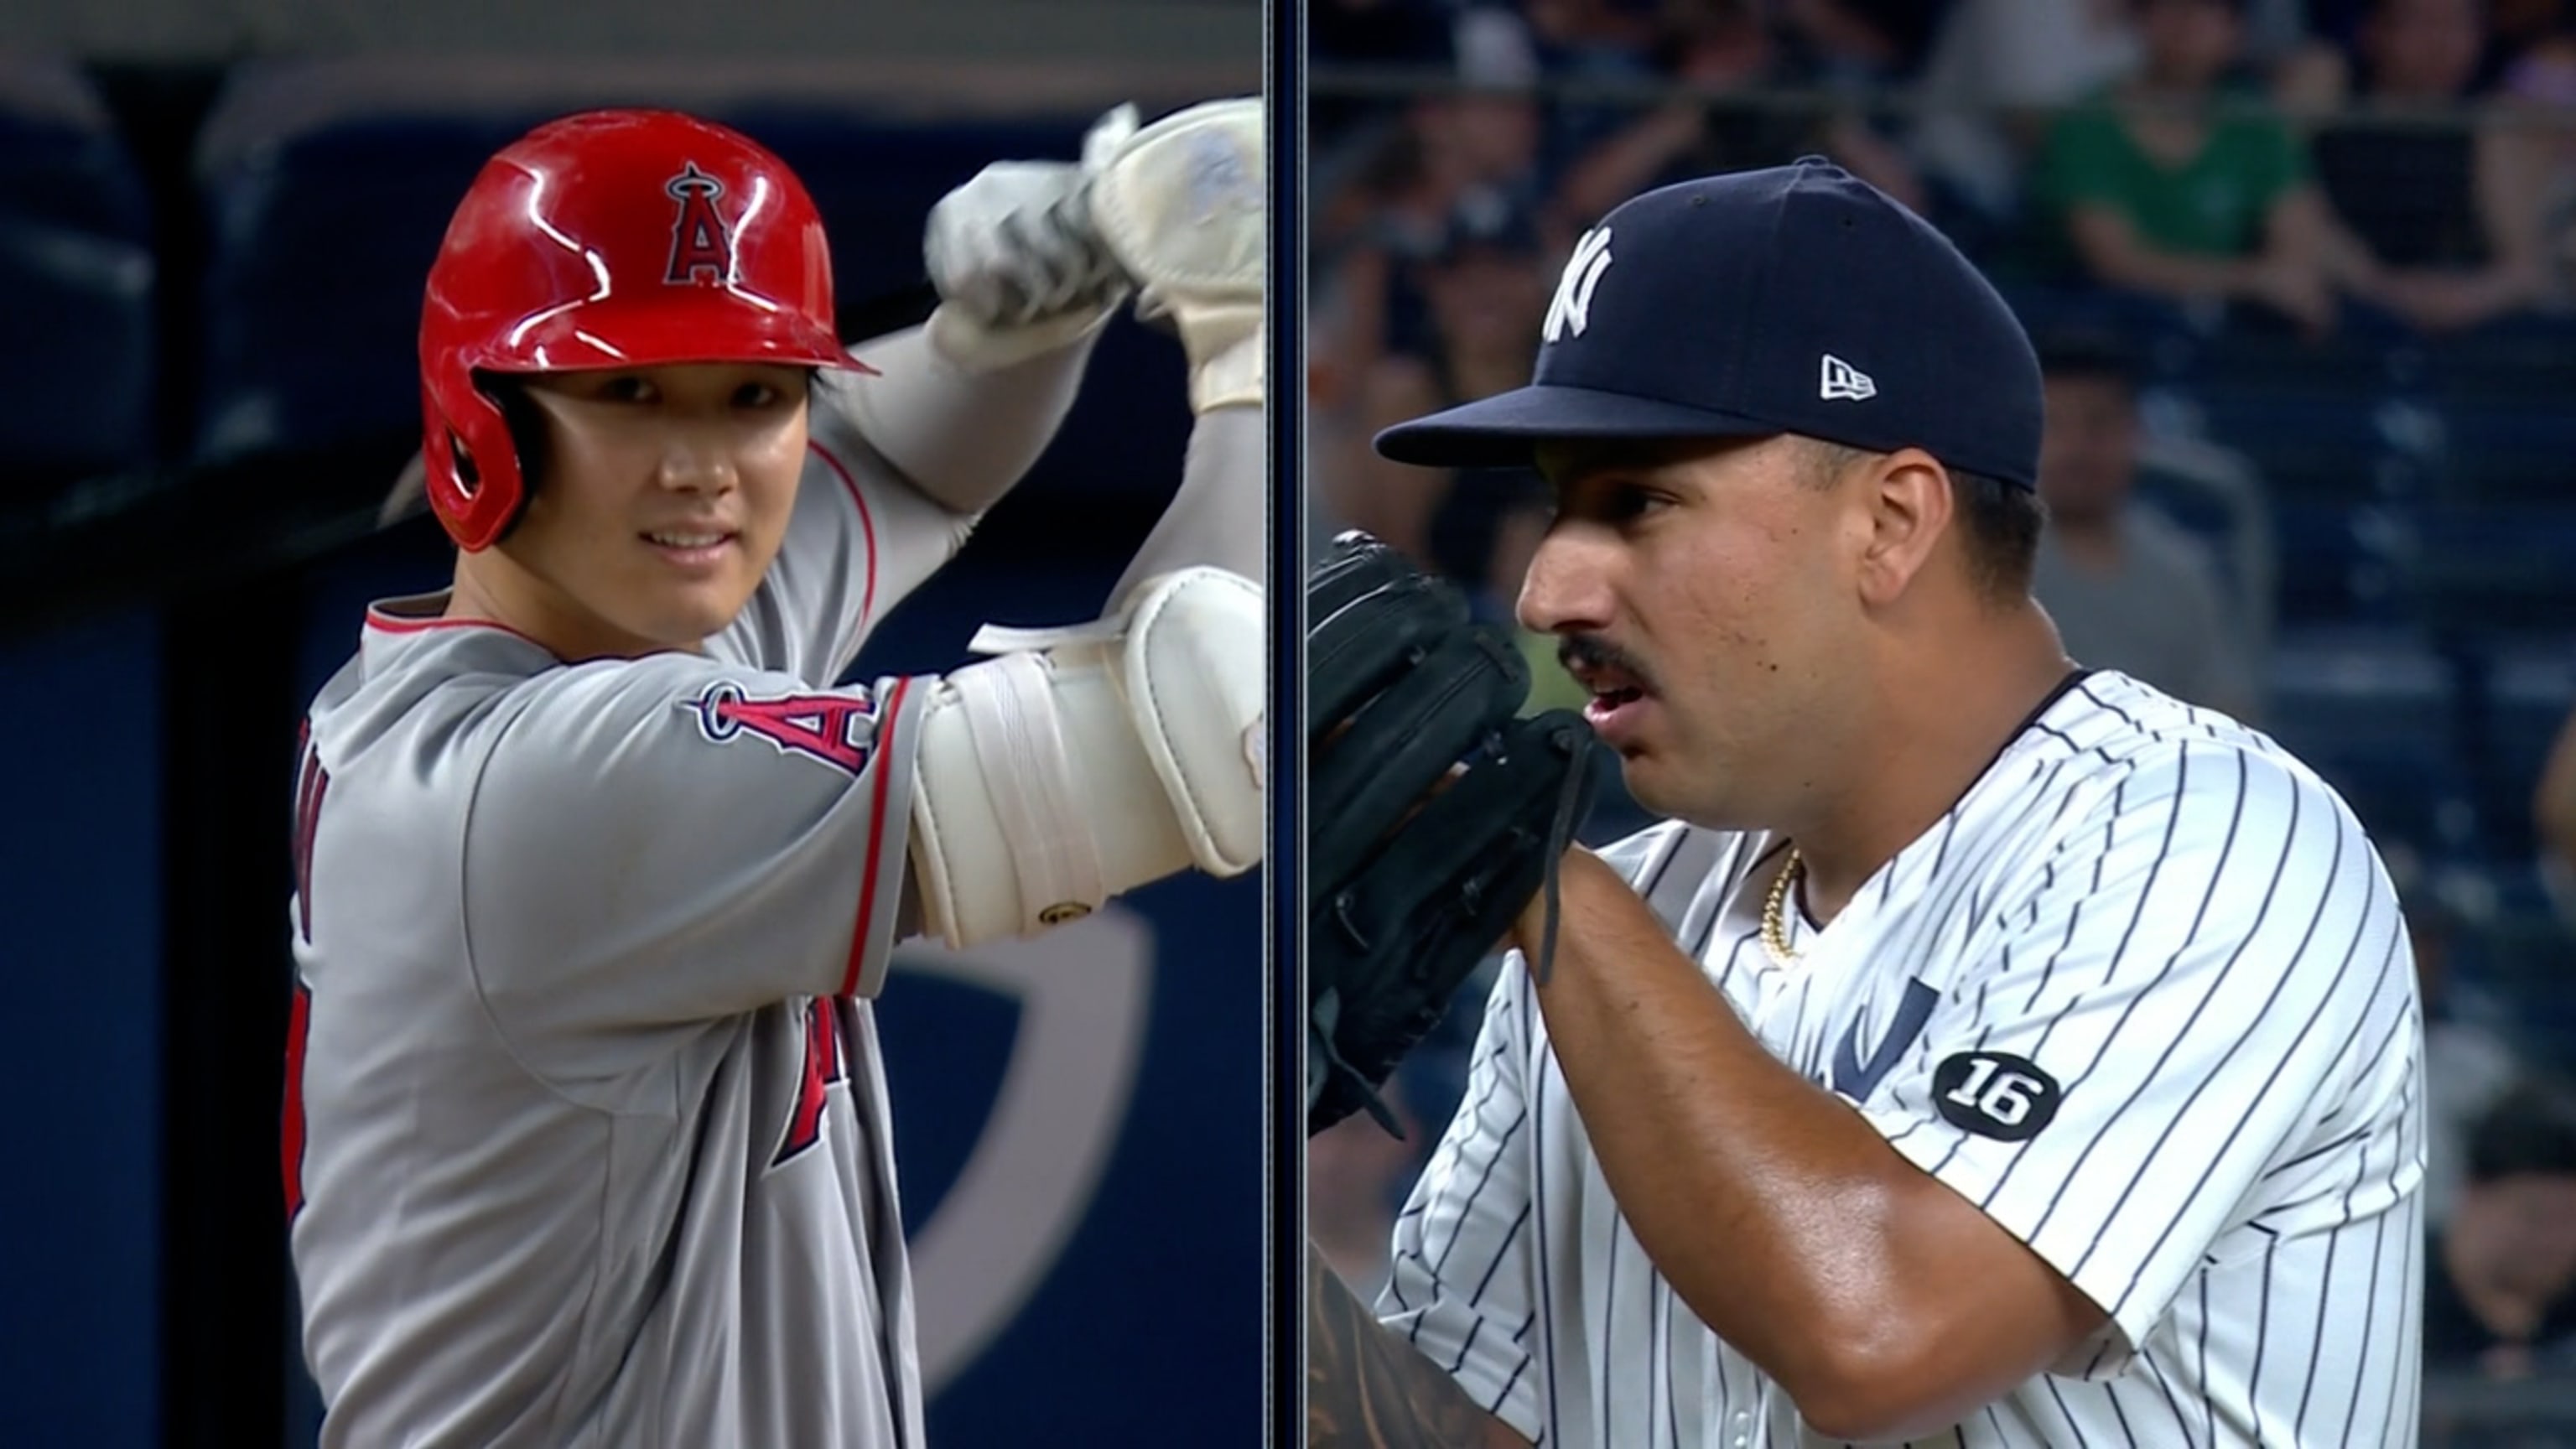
603 240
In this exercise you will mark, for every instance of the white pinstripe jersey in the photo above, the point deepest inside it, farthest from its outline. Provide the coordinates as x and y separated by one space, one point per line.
587 1136
2143 995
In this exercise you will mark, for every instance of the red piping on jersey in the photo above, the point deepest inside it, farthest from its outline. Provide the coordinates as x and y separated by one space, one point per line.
867 530
290 1137
876 838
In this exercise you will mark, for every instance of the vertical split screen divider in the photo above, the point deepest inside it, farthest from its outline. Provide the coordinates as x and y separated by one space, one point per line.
1283 77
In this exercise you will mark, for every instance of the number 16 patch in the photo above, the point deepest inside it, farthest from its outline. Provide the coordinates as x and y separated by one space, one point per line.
1995 1094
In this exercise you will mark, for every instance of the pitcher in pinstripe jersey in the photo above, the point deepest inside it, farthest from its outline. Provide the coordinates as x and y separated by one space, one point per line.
1987 1052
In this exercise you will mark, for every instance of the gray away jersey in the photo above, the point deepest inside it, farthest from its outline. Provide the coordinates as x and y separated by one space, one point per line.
2143 995
587 1139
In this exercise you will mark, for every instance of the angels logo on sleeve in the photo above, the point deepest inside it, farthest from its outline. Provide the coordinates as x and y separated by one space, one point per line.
839 729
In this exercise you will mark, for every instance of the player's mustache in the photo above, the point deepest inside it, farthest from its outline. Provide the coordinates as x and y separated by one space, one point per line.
1591 651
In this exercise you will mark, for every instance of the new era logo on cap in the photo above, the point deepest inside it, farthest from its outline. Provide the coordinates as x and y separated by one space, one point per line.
1572 308
1842 380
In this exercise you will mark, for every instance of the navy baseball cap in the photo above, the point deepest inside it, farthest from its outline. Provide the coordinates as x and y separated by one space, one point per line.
1795 299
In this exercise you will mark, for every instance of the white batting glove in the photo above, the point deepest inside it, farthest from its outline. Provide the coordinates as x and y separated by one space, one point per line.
1184 206
1019 268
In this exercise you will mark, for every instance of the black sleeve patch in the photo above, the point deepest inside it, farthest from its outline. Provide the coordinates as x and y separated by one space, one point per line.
1995 1094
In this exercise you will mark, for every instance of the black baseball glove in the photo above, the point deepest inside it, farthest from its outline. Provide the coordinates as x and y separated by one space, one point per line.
1410 884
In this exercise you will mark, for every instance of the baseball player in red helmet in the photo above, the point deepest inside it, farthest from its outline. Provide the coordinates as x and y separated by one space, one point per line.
586 1136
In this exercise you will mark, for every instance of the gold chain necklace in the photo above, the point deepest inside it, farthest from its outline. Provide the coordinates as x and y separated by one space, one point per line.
1775 911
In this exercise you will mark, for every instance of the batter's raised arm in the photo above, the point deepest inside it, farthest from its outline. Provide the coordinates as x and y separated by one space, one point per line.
1183 207
1085 761
939 421
963 405
1031 258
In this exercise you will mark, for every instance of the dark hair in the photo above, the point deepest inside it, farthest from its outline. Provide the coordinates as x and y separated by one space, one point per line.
520 415
2004 522
2530 1129
2000 523
527 438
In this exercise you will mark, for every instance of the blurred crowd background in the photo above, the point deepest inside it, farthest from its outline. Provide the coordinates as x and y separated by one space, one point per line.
2302 274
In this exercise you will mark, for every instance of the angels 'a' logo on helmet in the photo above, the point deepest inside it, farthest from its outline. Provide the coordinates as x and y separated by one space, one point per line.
699 240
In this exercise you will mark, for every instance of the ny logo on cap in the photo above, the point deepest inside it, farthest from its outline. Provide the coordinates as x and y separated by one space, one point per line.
1573 305
1845 381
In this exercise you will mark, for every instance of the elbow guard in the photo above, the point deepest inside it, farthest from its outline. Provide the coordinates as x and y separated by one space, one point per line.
1084 762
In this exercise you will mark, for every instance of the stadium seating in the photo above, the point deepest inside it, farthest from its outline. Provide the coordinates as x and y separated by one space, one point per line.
2492 568
77 266
2524 693
2375 711
318 246
2511 430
